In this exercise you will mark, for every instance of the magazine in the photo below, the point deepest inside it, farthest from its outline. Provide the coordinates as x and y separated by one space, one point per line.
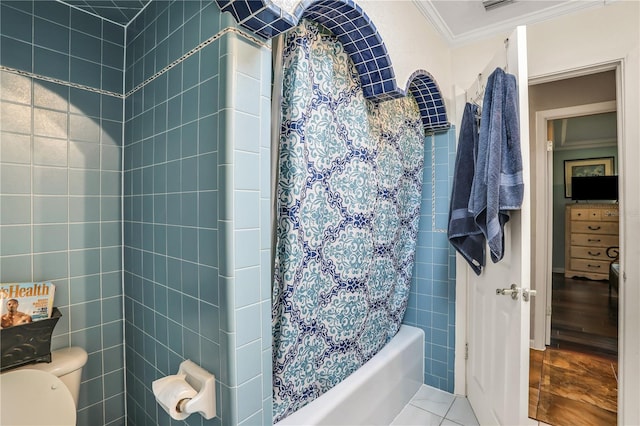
22 303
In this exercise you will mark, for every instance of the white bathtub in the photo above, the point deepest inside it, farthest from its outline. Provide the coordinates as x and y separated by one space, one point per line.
374 394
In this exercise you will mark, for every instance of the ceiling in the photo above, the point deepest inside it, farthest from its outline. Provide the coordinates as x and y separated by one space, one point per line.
458 21
118 11
586 131
463 21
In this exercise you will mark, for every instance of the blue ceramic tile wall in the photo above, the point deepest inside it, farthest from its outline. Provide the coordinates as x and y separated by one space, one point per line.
432 298
60 161
53 40
197 274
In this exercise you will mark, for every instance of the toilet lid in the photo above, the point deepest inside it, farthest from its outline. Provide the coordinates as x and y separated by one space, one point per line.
33 397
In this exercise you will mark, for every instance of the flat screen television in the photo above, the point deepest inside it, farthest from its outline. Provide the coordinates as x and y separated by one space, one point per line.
594 188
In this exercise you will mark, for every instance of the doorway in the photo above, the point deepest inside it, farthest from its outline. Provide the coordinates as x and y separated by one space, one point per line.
563 325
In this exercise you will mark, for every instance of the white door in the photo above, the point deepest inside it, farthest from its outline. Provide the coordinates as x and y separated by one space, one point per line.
498 329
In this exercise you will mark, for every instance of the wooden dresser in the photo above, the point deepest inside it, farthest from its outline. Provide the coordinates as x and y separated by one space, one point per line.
589 230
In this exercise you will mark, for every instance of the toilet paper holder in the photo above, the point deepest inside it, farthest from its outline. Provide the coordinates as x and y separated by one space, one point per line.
202 382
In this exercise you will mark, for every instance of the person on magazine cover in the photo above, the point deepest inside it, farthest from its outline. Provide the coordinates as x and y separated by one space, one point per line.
14 317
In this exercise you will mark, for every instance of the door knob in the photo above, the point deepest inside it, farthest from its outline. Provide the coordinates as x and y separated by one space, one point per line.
513 291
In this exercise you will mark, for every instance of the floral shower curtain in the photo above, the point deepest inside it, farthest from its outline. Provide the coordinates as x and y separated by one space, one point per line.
348 205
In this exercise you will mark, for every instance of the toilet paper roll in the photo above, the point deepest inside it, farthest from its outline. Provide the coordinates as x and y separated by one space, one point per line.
169 391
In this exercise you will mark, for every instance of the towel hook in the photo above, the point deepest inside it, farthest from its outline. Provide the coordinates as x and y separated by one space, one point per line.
506 54
479 90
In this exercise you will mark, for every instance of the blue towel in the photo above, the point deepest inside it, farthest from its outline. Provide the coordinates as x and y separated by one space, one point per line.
463 232
497 184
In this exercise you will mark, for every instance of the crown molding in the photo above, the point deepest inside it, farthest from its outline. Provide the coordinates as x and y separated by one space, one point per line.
457 40
433 16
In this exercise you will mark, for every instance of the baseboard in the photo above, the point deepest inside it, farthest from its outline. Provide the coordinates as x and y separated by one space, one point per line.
533 346
557 270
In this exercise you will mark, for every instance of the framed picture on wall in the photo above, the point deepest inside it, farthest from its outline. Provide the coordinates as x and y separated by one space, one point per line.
586 167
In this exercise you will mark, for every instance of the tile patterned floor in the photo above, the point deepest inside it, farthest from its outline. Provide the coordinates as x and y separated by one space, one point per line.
568 388
433 407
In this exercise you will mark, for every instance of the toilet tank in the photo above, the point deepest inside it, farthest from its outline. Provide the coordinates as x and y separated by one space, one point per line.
67 365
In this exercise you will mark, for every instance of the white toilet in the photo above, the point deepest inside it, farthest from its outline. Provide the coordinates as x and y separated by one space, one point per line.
43 393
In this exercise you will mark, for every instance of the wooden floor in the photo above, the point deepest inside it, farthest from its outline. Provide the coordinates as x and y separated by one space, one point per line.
584 318
575 380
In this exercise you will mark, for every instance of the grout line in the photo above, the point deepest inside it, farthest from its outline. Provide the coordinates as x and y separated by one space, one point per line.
444 417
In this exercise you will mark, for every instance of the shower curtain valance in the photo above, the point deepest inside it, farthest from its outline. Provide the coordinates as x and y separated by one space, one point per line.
362 42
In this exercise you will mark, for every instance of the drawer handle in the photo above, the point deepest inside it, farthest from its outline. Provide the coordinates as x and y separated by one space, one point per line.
593 266
594 228
594 254
593 240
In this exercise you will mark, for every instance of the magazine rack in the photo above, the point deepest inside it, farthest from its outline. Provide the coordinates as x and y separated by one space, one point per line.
27 343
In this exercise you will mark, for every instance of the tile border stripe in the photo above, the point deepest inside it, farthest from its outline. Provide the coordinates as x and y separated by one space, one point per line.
58 81
196 50
148 80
